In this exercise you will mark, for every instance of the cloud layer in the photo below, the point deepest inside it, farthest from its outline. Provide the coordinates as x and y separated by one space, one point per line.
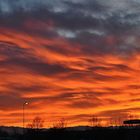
69 59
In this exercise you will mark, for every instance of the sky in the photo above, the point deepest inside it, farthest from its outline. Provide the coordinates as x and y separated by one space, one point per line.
69 59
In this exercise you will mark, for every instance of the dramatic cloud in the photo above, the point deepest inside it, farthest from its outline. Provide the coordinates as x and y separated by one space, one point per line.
69 59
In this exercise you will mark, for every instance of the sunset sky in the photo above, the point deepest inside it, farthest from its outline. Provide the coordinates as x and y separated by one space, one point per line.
69 59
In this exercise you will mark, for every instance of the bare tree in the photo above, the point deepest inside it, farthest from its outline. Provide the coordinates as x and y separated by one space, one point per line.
114 121
94 121
60 124
30 126
37 123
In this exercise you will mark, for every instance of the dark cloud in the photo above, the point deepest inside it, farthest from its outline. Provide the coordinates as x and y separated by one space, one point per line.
112 67
93 76
133 86
89 22
26 88
19 57
10 102
120 113
10 49
84 104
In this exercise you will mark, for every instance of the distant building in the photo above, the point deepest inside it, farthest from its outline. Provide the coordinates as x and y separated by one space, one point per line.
133 122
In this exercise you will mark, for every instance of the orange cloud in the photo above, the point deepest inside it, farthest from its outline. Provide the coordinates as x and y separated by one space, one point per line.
59 79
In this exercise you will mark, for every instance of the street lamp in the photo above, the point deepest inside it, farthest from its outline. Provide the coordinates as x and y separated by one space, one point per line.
24 104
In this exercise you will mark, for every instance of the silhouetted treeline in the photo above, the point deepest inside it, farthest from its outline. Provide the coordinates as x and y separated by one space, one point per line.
110 133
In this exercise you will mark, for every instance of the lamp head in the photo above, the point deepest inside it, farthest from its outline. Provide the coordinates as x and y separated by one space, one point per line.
26 103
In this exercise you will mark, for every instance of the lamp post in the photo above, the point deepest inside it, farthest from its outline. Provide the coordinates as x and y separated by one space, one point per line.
24 104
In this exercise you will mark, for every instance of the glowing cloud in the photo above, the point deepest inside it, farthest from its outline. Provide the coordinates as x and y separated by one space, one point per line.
69 63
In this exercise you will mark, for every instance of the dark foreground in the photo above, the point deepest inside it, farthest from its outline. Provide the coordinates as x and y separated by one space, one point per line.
122 133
